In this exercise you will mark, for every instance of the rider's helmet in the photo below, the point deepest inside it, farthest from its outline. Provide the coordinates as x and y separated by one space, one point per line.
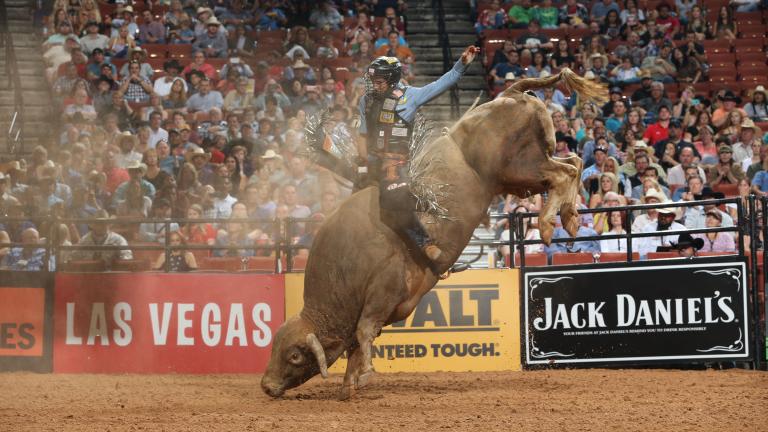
388 68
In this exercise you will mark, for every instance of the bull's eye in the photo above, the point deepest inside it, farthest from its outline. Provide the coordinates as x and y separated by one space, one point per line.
296 358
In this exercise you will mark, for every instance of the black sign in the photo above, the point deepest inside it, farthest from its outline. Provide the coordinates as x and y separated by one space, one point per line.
645 312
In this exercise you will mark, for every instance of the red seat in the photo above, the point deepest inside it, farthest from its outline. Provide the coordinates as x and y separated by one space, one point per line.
746 18
261 264
155 50
531 260
749 45
716 46
711 253
577 34
754 79
727 189
572 258
133 265
755 57
662 255
146 254
179 51
617 257
83 266
221 263
299 263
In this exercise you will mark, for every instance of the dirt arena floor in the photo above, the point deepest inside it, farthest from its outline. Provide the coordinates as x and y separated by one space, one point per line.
566 400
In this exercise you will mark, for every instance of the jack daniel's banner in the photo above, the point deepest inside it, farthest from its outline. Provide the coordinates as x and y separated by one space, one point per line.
688 311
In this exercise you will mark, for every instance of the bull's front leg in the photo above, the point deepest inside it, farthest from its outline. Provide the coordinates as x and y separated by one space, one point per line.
354 362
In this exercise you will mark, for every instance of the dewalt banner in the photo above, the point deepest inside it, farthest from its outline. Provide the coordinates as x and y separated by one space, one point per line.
468 322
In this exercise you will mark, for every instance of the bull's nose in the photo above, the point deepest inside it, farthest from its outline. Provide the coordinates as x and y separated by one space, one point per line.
271 388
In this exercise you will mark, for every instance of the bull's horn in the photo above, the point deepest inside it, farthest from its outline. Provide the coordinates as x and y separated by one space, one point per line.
317 350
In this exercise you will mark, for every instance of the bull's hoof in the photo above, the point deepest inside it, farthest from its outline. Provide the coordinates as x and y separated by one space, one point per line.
364 379
347 391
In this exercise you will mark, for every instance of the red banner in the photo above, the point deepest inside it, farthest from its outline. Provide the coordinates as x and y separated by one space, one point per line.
158 323
22 311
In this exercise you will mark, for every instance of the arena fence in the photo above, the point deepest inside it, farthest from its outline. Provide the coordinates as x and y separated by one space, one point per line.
558 299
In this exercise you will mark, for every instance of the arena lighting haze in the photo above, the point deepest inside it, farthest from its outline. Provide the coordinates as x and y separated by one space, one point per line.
630 312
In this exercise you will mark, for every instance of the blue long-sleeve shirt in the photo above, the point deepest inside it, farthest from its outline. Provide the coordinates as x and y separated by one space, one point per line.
415 97
576 246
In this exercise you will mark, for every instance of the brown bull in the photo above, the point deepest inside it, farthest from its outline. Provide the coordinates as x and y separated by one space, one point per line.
361 275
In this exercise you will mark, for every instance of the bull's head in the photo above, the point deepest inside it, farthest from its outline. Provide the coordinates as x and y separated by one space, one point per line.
297 356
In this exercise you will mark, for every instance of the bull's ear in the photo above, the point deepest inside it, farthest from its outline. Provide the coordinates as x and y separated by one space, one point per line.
317 350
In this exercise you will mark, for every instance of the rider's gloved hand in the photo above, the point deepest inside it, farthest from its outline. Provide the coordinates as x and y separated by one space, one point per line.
362 177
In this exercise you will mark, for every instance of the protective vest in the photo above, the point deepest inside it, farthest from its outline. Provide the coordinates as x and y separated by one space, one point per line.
387 131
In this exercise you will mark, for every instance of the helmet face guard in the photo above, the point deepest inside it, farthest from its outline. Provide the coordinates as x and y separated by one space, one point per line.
388 68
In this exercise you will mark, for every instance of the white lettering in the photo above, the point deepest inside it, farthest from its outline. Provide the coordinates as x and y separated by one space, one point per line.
98 327
722 303
625 303
160 331
211 324
71 339
663 311
693 310
122 314
182 309
236 326
261 315
644 314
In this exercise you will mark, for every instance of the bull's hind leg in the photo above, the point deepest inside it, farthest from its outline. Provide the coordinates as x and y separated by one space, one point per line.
562 175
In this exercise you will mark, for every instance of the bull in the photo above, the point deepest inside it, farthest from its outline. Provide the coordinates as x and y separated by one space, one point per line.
361 275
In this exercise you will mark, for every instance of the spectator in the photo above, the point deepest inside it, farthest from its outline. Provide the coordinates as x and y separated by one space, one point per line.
660 130
235 15
151 31
593 172
80 106
748 135
135 204
687 246
519 14
162 86
667 23
121 43
93 39
175 14
688 68
394 49
649 175
101 234
665 222
127 156
757 108
155 231
729 103
299 43
546 14
493 17
591 246
236 64
676 175
270 17
706 146
615 224
135 87
239 98
561 57
326 17
533 40
625 73
698 25
726 170
573 14
223 201
530 232
27 257
510 64
206 99
601 8
717 241
695 215
212 43
180 259
725 26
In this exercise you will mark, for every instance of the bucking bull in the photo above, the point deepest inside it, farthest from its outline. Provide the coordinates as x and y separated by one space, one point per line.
361 275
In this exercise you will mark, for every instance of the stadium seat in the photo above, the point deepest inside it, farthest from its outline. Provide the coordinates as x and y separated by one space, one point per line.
716 46
712 253
753 57
531 260
762 125
299 263
221 263
83 266
753 79
146 254
617 257
261 264
747 18
577 34
728 190
133 265
180 51
662 255
155 50
572 258
749 45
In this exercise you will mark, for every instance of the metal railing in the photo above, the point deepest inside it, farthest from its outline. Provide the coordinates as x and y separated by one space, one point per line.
15 134
282 246
445 44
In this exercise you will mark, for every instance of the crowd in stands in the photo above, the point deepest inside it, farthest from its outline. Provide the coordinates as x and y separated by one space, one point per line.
189 109
687 116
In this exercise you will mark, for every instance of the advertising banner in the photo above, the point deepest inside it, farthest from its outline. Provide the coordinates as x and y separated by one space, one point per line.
156 323
468 322
644 313
25 325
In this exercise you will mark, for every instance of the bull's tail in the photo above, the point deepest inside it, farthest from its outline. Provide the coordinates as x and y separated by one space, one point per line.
585 88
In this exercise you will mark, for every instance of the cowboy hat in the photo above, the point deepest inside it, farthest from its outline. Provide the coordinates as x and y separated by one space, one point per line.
759 89
135 164
708 193
729 96
197 152
590 75
202 9
299 64
747 123
271 154
653 193
128 8
20 166
127 135
212 21
509 76
685 240
640 145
